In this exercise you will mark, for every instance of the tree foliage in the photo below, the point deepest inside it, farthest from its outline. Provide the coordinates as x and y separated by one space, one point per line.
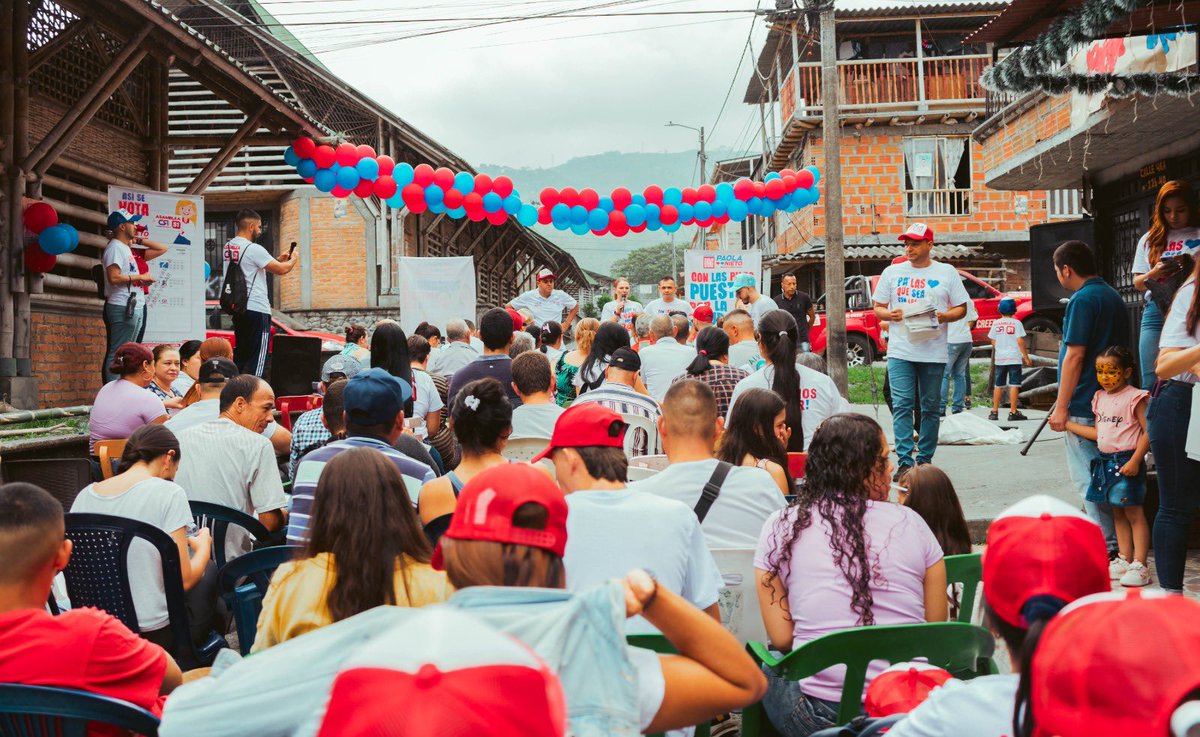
645 265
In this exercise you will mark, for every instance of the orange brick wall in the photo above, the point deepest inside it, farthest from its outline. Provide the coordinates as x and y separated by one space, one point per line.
339 256
68 347
1049 116
289 230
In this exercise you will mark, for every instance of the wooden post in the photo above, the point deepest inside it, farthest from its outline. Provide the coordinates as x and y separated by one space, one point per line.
835 263
922 105
795 68
9 184
221 159
21 312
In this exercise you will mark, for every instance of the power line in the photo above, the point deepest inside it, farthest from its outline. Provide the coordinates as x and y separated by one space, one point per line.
483 19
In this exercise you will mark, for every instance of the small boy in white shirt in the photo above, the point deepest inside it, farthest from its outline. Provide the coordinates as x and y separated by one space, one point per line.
1008 352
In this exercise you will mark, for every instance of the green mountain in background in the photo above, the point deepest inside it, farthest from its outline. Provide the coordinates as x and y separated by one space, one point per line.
604 173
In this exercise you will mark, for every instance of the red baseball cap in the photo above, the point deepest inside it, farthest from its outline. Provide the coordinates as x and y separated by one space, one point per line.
487 503
917 232
1042 546
703 313
518 321
1145 643
546 273
589 424
455 674
902 687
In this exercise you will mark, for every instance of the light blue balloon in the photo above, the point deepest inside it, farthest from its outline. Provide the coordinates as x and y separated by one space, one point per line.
579 215
702 210
754 205
561 224
672 196
738 211
720 208
464 183
815 172
395 201
307 168
767 209
784 202
347 177
597 219
725 192
291 157
606 204
772 175
457 213
513 205
55 240
527 215
73 233
434 195
560 213
635 215
492 202
580 228
325 180
638 199
653 216
368 169
403 174
207 271
437 208
816 196
672 227
686 212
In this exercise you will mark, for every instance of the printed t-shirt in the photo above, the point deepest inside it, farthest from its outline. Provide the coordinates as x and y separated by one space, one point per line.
119 254
905 287
545 309
662 307
426 398
83 649
254 264
1006 331
156 502
297 600
1184 240
1117 427
900 549
819 396
980 707
1175 333
633 308
744 352
120 407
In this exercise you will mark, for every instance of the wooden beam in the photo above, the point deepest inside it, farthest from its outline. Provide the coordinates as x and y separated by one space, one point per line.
199 141
436 222
56 44
100 175
222 158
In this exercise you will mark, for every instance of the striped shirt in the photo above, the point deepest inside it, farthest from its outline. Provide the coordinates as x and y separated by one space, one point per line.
625 400
307 431
721 378
309 472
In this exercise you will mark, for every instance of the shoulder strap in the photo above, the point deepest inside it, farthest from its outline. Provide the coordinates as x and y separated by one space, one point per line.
712 489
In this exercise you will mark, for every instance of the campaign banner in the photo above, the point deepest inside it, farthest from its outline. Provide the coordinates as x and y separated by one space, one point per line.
436 289
176 298
710 276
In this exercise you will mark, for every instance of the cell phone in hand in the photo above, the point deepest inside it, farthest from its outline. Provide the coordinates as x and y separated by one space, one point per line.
292 249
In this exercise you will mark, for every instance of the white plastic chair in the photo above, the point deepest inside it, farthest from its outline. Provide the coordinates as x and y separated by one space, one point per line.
658 462
639 473
646 424
524 449
738 599
413 485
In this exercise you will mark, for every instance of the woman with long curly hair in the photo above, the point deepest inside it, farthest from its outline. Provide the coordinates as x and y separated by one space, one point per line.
840 557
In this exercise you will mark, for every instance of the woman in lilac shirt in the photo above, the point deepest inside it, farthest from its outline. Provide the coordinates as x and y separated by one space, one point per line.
841 557
123 405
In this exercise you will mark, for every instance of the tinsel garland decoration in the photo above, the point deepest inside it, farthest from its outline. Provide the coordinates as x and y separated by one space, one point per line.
1114 85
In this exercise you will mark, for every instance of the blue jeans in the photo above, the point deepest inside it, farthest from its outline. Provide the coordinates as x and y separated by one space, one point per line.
957 368
1080 454
910 380
793 713
1178 481
121 330
1152 325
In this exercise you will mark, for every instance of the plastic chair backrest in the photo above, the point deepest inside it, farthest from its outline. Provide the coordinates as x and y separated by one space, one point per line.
109 452
640 473
646 425
658 461
243 582
45 711
662 646
966 570
963 649
413 486
738 598
218 519
290 406
796 464
867 728
64 478
524 449
98 576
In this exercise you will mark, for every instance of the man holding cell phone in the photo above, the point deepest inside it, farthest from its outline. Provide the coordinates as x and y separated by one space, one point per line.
252 326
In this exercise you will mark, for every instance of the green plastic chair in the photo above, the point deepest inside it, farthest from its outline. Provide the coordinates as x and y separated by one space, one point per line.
968 571
963 649
662 646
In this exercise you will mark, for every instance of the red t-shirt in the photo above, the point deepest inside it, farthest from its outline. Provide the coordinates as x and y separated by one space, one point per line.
84 649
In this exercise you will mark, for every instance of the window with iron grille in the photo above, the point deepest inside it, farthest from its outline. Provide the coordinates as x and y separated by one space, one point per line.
937 176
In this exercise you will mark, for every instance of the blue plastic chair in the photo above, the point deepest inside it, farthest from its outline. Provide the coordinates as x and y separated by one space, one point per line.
243 583
97 576
662 646
44 711
218 519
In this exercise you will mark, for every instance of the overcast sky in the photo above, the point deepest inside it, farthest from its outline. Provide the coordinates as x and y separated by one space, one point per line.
536 93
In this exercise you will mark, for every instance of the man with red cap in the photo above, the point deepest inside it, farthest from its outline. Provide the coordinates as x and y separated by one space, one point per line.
547 303
613 529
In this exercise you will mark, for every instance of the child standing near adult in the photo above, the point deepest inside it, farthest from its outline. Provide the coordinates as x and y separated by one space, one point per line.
1008 351
1118 475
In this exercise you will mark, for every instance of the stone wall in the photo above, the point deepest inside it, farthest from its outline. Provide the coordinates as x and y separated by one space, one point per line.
335 321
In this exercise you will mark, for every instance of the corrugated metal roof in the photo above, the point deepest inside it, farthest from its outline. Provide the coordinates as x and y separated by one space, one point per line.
1024 20
887 8
943 252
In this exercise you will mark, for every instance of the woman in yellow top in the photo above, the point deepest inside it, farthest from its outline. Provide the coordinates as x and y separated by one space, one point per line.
362 515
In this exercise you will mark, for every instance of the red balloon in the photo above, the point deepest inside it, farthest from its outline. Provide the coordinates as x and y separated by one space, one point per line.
365 188
549 198
759 189
602 231
310 180
324 157
789 183
743 189
347 154
706 222
412 194
668 215
804 179
483 184
37 260
498 217
365 152
589 199
543 214
689 195
706 193
774 189
653 195
387 164
384 186
502 186
418 207
473 201
304 147
39 216
340 191
453 199
638 228
618 230
443 178
568 196
423 175
621 198
616 221
785 173
476 216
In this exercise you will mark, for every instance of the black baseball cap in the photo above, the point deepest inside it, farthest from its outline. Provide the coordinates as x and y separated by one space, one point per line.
627 359
216 370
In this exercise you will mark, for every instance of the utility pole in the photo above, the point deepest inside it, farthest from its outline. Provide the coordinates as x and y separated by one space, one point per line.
835 261
703 155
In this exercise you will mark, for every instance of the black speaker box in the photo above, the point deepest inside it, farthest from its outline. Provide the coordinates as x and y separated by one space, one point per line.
1043 239
295 365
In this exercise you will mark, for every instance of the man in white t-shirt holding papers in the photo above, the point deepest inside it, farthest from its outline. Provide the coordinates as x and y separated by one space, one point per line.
918 298
547 303
124 298
252 326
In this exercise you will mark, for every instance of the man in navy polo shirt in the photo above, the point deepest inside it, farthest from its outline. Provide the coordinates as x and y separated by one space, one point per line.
374 405
1096 318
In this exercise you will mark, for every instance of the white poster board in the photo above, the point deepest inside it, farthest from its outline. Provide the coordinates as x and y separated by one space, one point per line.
176 299
710 276
436 289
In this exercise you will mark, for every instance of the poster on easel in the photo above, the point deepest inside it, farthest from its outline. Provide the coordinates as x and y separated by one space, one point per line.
176 298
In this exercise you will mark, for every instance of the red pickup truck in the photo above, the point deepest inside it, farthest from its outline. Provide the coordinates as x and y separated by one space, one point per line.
220 325
864 337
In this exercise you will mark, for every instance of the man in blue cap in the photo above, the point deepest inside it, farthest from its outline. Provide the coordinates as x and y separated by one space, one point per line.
124 284
745 287
374 405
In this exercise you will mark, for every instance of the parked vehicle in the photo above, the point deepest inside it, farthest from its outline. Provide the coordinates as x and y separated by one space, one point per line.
220 325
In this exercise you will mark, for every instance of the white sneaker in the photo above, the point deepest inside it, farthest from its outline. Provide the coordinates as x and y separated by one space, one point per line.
1117 568
1137 575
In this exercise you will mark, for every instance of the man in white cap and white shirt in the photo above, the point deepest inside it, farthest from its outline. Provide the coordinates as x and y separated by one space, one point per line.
547 303
745 288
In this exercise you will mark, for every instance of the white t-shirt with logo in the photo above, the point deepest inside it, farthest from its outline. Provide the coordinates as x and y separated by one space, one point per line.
905 287
1006 331
819 396
633 308
960 330
662 307
1184 240
545 309
254 268
764 305
980 707
120 254
744 352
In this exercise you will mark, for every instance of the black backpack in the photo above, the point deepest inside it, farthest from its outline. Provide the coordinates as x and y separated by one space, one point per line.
234 292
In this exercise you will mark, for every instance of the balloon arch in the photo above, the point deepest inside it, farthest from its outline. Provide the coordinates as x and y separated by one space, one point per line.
348 169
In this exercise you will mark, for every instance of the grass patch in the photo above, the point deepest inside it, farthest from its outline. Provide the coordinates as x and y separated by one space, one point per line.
860 385
74 426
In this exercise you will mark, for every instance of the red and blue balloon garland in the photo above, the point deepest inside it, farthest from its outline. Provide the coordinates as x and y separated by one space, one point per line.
348 169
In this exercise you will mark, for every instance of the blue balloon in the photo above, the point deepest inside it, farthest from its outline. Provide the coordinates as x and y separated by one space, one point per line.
606 204
580 228
672 196
738 211
492 202
513 205
437 208
597 219
403 174
464 183
291 157
325 180
767 209
720 208
335 166
754 205
434 195
702 210
772 175
347 177
638 199
307 168
368 169
784 202
207 271
561 225
457 213
560 213
686 212
815 197
724 192
73 233
672 227
55 240
527 215
815 172
579 214
395 201
635 215
653 215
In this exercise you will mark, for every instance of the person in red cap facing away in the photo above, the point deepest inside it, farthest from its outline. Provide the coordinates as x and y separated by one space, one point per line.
1041 554
614 529
702 317
454 674
547 303
1099 644
918 298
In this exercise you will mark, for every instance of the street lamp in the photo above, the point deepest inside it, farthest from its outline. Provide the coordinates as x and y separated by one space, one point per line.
703 178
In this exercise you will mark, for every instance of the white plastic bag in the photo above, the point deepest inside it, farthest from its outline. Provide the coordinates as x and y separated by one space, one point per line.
965 428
